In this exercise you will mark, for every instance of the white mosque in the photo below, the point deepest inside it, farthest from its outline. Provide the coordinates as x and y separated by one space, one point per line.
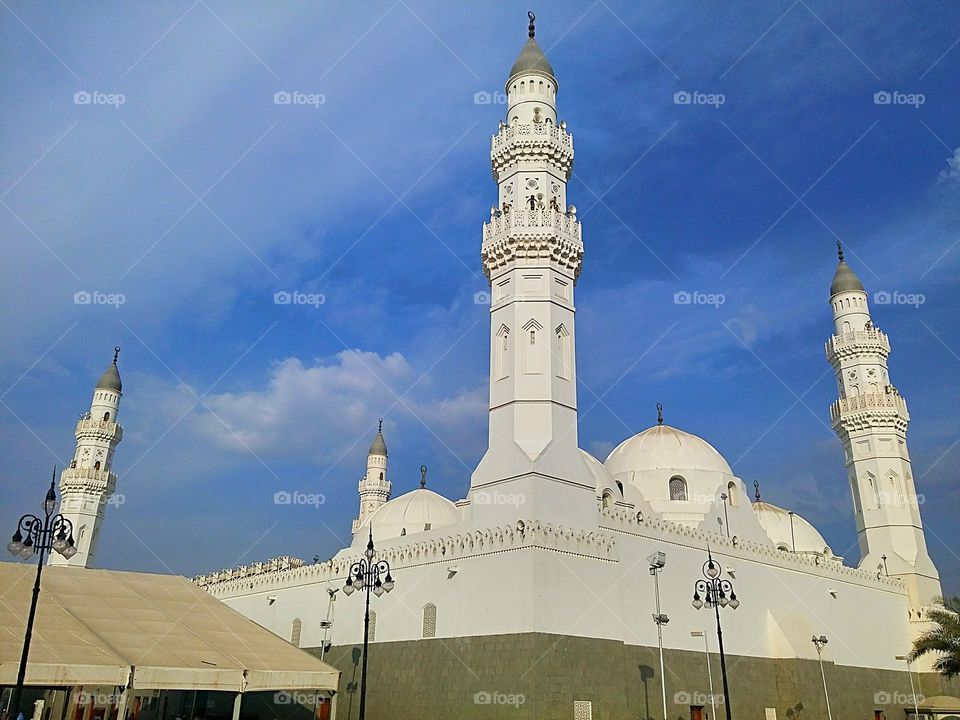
538 584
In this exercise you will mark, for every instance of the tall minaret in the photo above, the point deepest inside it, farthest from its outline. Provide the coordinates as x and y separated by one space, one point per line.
86 486
532 254
374 487
871 419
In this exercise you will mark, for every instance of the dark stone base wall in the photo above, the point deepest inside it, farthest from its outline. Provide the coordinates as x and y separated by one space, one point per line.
540 676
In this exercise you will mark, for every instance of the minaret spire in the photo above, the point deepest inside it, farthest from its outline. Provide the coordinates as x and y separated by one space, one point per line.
87 485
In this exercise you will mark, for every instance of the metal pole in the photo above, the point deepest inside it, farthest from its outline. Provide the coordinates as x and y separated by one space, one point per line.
723 662
663 677
826 694
913 691
22 672
713 698
366 637
326 629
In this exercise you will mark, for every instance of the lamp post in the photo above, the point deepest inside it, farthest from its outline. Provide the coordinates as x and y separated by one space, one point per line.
365 575
328 623
913 691
657 562
706 652
40 536
819 642
712 592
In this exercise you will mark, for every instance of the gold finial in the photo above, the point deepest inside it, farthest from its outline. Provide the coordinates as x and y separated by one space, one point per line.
659 414
423 476
531 30
116 353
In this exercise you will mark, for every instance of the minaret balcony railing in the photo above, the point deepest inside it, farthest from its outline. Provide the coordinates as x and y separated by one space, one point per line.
886 403
87 478
538 142
870 340
88 425
532 131
542 222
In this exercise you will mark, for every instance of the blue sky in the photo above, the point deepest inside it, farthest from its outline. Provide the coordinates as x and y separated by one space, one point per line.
197 198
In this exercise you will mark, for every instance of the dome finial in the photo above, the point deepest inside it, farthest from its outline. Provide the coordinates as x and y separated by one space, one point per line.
659 414
756 487
380 425
116 353
423 476
531 30
839 251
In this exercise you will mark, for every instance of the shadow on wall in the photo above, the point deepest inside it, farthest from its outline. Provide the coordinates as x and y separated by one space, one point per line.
353 686
796 712
646 673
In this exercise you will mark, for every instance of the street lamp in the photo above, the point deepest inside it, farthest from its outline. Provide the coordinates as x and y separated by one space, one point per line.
365 575
657 562
716 593
40 536
913 691
706 652
819 642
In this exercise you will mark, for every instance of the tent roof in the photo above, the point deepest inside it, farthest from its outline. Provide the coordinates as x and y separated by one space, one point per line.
96 626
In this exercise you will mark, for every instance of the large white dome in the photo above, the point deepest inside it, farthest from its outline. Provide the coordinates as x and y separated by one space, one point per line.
410 513
802 537
662 447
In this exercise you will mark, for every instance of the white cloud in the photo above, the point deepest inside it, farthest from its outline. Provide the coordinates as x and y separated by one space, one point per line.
952 171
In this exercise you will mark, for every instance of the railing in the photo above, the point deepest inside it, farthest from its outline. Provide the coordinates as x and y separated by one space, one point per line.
87 423
871 401
545 220
532 131
274 565
873 336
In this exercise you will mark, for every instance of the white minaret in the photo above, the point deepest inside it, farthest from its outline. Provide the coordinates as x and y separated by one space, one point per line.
374 487
86 486
871 419
532 253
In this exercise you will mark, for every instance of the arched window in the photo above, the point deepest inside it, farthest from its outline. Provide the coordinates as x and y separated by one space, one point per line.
607 499
295 629
96 465
373 625
678 488
106 417
381 477
429 620
732 494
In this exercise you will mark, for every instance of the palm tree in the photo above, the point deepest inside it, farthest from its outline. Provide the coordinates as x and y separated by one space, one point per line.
943 638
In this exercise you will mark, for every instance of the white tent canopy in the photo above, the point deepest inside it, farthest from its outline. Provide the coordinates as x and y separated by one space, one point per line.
103 627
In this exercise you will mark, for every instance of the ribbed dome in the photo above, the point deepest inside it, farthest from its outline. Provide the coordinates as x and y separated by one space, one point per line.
413 512
378 446
845 280
777 524
665 447
110 380
531 59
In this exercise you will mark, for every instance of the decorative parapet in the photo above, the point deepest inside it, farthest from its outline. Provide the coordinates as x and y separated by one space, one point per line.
542 234
87 478
859 342
633 523
88 426
541 142
870 410
440 548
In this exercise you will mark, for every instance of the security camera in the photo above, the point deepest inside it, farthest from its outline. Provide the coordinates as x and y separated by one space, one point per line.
658 559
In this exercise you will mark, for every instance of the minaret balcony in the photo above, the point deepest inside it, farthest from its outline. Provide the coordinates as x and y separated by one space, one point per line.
863 407
88 479
869 341
528 237
88 426
542 142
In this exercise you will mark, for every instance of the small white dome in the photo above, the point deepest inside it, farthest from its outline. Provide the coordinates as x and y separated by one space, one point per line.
662 447
410 513
777 524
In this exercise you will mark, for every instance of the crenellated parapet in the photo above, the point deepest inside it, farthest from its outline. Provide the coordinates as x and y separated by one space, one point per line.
536 142
872 410
870 341
88 479
91 428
